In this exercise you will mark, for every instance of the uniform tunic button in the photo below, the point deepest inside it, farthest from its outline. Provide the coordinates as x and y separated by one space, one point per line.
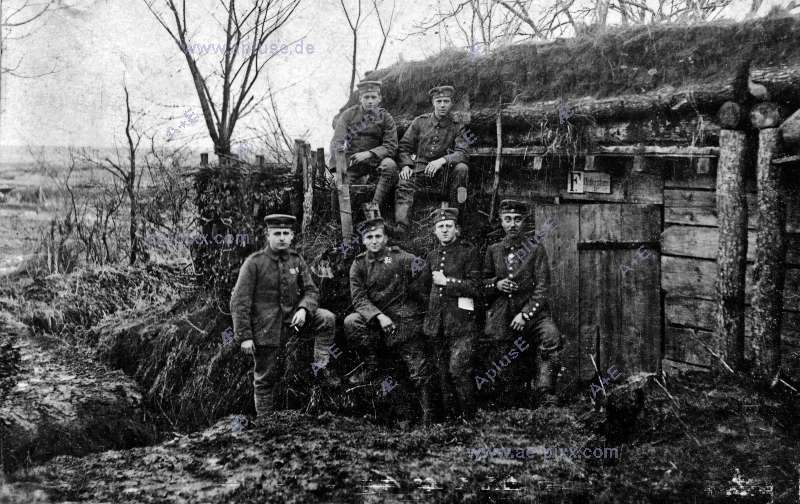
509 295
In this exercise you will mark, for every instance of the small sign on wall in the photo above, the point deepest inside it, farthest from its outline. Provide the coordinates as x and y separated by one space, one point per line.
588 182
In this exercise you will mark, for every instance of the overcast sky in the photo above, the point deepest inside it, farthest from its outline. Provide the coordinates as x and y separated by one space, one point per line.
100 43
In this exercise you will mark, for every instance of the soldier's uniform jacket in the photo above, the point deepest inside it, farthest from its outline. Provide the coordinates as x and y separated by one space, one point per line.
362 130
271 287
430 138
461 264
525 262
384 283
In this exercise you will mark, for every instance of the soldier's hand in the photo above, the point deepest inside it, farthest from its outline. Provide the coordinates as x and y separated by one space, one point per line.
434 166
299 318
439 278
386 324
360 157
405 173
506 285
248 347
518 323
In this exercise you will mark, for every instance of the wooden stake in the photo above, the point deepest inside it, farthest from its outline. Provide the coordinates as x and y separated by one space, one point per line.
308 179
497 160
343 191
732 248
770 270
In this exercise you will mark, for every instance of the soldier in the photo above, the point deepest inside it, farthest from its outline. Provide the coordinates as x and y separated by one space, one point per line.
367 135
452 270
273 300
516 283
387 300
440 145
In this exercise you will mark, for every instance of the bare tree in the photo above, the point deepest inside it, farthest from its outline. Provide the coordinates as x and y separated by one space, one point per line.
354 26
385 30
130 178
479 23
240 65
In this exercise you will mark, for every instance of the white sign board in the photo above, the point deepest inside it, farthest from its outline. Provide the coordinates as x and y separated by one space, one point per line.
589 182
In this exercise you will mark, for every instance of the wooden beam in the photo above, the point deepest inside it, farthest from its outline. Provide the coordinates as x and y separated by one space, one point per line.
732 245
615 150
790 130
770 269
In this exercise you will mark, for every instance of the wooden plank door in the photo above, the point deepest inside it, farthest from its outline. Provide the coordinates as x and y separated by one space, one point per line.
619 287
561 245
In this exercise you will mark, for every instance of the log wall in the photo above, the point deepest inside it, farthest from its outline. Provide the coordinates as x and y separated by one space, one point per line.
689 268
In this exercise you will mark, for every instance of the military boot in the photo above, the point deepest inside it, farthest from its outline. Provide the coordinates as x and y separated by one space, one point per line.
547 365
264 398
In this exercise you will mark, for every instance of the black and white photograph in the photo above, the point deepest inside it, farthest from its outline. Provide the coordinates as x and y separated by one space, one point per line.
396 251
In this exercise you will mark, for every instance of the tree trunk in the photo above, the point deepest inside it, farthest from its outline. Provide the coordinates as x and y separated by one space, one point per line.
732 251
770 270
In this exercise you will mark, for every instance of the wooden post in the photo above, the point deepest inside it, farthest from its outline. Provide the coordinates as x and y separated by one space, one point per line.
319 171
769 271
343 190
498 159
297 171
204 159
308 180
260 161
732 248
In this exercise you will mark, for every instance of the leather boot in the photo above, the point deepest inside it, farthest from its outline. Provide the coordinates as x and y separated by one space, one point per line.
264 398
546 373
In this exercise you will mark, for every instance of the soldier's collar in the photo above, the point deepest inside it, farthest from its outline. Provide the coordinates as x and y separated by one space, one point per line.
277 255
448 245
448 117
379 256
512 241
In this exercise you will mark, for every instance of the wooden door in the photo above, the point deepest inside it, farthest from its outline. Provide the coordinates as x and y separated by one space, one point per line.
605 285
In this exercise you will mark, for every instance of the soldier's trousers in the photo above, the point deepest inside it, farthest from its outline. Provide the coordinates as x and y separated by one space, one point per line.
387 172
452 181
537 362
269 361
365 336
453 359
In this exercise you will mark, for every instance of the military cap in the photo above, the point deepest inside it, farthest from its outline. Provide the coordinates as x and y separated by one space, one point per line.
442 91
280 221
441 214
369 85
370 225
513 206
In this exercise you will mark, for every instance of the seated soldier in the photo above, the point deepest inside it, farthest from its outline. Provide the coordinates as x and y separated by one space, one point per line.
516 283
439 145
452 274
272 302
366 134
388 304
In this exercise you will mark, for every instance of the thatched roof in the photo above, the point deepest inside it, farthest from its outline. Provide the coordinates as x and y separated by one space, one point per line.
641 60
